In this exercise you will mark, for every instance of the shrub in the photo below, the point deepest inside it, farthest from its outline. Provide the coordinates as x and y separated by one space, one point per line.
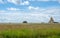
24 21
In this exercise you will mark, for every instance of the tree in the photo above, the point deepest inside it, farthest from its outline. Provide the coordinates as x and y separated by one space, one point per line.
24 21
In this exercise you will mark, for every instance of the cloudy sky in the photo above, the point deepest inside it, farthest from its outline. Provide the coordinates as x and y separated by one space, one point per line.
35 11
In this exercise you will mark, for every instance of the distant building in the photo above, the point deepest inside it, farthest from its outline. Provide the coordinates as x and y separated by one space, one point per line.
52 21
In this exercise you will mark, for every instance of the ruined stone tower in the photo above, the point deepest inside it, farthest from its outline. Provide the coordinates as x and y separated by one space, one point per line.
51 20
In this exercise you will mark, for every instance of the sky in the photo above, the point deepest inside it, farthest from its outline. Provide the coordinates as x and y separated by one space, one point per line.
32 11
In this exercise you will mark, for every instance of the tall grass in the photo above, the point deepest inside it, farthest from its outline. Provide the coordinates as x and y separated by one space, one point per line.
28 33
30 30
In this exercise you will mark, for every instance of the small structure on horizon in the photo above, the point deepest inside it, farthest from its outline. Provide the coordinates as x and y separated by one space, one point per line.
52 21
24 21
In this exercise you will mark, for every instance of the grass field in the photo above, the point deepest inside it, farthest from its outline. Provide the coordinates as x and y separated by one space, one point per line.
30 30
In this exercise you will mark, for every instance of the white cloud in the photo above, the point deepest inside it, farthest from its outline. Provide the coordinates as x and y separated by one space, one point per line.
33 8
34 16
25 3
47 12
43 0
20 17
19 2
46 0
13 9
14 1
58 1
52 11
2 11
1 1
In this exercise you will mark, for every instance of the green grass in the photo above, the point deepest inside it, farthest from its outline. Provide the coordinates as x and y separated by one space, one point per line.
32 31
28 33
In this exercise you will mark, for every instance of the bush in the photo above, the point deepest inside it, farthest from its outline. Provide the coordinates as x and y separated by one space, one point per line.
24 21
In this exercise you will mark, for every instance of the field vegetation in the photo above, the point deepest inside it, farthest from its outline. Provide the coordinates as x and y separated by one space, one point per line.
29 30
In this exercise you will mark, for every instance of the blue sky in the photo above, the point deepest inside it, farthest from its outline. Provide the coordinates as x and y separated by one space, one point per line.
33 11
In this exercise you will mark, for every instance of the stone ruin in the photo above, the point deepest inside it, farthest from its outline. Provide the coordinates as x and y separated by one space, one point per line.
52 21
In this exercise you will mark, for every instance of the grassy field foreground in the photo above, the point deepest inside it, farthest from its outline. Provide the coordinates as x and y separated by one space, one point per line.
29 30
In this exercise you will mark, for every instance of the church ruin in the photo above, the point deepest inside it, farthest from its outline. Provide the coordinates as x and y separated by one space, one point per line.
51 21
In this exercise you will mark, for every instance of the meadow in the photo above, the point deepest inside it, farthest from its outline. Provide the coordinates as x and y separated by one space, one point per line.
29 30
